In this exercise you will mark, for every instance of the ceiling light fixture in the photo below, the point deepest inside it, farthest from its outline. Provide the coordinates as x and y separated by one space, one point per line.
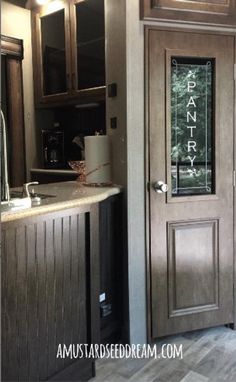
41 2
55 5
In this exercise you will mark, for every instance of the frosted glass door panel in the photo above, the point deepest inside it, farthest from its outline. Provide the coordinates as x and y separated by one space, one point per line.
192 126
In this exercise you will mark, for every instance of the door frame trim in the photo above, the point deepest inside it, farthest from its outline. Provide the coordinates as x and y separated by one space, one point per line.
234 200
147 29
13 50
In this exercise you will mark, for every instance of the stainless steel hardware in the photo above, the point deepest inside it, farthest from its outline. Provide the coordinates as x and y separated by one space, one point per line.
26 186
5 191
160 187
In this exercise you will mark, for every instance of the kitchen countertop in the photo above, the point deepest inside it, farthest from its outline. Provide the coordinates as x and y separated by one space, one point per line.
65 195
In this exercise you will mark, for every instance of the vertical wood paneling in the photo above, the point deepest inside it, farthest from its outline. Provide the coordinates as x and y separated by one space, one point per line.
66 280
108 236
21 287
44 299
32 301
4 302
81 271
104 227
94 274
50 259
74 279
11 305
59 275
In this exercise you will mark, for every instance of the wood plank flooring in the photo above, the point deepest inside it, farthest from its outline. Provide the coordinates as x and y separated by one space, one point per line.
208 356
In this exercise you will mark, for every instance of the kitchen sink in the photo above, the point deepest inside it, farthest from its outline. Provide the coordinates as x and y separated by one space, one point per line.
18 201
18 194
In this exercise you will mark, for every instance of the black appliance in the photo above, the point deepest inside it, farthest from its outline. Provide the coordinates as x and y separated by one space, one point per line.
53 149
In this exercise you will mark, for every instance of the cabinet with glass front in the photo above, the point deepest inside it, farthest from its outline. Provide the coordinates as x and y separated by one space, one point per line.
69 51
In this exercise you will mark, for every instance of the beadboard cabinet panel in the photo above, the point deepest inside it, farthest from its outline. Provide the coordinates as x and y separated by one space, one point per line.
215 12
54 266
47 295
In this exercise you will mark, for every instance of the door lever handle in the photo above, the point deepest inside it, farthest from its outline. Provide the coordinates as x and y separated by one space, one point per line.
160 187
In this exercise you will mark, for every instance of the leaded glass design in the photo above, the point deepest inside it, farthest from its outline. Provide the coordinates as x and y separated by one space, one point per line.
192 126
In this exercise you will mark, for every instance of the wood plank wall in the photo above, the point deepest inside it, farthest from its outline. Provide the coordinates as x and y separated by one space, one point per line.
44 294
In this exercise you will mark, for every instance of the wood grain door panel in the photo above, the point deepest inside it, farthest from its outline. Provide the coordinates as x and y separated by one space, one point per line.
191 236
221 12
202 280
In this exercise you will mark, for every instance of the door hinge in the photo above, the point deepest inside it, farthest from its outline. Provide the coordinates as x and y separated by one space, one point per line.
234 180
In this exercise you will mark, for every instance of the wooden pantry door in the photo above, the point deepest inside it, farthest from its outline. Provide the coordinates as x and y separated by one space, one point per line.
190 116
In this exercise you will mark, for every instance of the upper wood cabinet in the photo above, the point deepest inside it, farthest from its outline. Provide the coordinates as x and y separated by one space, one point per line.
215 12
69 51
88 44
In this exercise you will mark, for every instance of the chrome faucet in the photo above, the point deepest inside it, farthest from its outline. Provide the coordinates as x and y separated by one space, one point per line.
26 192
25 201
5 191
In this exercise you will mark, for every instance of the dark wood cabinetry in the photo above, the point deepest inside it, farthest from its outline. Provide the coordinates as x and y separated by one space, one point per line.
54 266
215 12
88 44
69 52
12 106
44 176
111 269
48 292
51 53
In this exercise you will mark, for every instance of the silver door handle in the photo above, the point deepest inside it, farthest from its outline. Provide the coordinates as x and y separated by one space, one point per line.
160 187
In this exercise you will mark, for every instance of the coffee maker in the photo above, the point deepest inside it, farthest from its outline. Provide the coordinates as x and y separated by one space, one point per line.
53 149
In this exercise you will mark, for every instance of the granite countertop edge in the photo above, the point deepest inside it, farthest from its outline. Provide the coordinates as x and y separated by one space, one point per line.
95 195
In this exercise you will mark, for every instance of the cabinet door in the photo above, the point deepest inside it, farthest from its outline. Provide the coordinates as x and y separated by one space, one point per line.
88 48
215 12
51 44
